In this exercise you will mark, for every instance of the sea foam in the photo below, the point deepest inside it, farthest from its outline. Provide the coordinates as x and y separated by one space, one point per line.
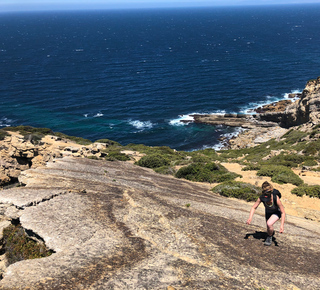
140 124
182 120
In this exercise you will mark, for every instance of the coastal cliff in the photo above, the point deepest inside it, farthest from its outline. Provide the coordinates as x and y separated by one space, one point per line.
116 225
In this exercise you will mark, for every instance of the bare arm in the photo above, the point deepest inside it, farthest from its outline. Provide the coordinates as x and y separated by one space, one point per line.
253 209
283 214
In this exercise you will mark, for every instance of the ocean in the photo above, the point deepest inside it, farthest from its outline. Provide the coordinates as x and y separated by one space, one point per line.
132 75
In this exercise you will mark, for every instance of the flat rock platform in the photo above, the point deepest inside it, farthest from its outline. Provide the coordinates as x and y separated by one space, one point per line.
114 225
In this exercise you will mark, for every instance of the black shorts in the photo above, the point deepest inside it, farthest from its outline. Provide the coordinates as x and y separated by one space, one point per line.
269 214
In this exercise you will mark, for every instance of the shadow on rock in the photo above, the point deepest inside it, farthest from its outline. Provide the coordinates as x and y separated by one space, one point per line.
261 236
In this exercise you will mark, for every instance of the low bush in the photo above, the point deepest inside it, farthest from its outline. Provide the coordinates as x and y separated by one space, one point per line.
209 172
200 159
3 134
293 136
312 148
165 170
77 140
310 162
237 189
108 142
117 155
33 138
18 246
280 174
153 161
310 190
251 167
37 133
25 130
93 157
285 159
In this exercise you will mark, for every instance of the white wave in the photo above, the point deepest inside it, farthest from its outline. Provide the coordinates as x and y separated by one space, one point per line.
182 120
5 122
268 99
227 136
98 115
286 95
188 118
86 115
219 112
140 124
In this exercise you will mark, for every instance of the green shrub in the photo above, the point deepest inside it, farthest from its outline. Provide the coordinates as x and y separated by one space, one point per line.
153 161
3 134
312 148
209 172
313 133
285 159
280 174
237 189
200 159
25 130
251 167
33 138
93 157
36 133
108 142
77 140
293 136
18 246
310 162
165 170
310 190
117 155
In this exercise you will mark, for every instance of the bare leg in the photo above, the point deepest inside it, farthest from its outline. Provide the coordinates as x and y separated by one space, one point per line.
270 223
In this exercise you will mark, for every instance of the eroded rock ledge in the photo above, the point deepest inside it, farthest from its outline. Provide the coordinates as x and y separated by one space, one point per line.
283 114
113 225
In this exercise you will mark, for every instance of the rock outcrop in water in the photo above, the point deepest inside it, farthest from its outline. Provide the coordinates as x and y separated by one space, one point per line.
284 113
114 225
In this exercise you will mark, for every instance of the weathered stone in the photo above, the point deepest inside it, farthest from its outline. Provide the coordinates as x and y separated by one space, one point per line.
284 113
114 225
18 154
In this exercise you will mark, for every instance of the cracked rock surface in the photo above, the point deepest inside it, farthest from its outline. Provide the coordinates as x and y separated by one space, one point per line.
114 225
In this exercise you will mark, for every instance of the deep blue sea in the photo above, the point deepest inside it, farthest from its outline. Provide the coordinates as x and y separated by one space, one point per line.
130 76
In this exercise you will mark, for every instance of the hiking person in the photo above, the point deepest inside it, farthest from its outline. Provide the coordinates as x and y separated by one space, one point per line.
274 209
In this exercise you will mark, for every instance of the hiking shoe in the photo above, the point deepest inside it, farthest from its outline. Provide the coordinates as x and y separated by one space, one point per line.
268 241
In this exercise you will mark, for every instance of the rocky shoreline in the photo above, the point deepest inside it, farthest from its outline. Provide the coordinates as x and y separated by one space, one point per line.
271 120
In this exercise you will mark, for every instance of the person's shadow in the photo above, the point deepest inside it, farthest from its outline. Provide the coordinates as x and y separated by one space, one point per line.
261 236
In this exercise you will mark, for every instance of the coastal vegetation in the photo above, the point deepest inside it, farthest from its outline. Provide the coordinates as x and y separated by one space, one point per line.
309 190
34 135
274 158
206 172
238 189
19 246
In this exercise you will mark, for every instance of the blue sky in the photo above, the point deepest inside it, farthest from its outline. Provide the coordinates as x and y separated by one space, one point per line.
31 5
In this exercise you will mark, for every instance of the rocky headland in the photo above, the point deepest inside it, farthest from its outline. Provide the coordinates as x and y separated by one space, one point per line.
116 225
272 120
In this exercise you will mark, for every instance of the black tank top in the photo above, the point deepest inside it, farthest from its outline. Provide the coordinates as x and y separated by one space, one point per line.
274 206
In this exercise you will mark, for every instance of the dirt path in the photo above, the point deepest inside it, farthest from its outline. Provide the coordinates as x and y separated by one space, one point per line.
305 206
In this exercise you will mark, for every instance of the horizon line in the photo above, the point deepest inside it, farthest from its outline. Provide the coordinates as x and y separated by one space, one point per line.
54 8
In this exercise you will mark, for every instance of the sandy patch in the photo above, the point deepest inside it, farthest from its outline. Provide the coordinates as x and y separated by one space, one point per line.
304 206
